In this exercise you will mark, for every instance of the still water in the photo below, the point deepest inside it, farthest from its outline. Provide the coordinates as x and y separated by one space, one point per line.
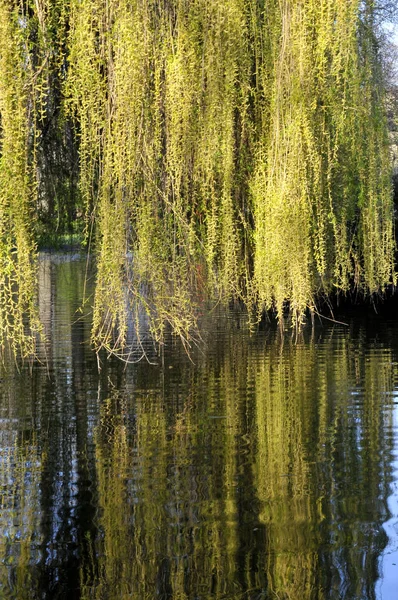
262 469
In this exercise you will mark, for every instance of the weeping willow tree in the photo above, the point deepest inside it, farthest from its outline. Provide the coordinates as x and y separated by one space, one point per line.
161 132
321 192
228 150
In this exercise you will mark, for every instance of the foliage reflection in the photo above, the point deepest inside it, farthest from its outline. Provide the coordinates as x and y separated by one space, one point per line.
262 473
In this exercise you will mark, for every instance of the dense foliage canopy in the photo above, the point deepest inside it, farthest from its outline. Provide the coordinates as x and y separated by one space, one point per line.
215 149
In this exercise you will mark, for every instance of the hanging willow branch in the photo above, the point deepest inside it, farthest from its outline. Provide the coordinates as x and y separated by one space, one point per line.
19 83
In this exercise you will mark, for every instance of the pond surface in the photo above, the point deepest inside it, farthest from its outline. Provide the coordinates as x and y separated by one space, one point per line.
264 469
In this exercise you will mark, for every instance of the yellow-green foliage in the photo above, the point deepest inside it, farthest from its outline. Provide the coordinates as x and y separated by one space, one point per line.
243 155
321 188
85 86
229 149
19 86
167 185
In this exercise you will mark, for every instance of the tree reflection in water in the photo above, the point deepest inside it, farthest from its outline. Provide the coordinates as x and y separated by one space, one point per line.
261 470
